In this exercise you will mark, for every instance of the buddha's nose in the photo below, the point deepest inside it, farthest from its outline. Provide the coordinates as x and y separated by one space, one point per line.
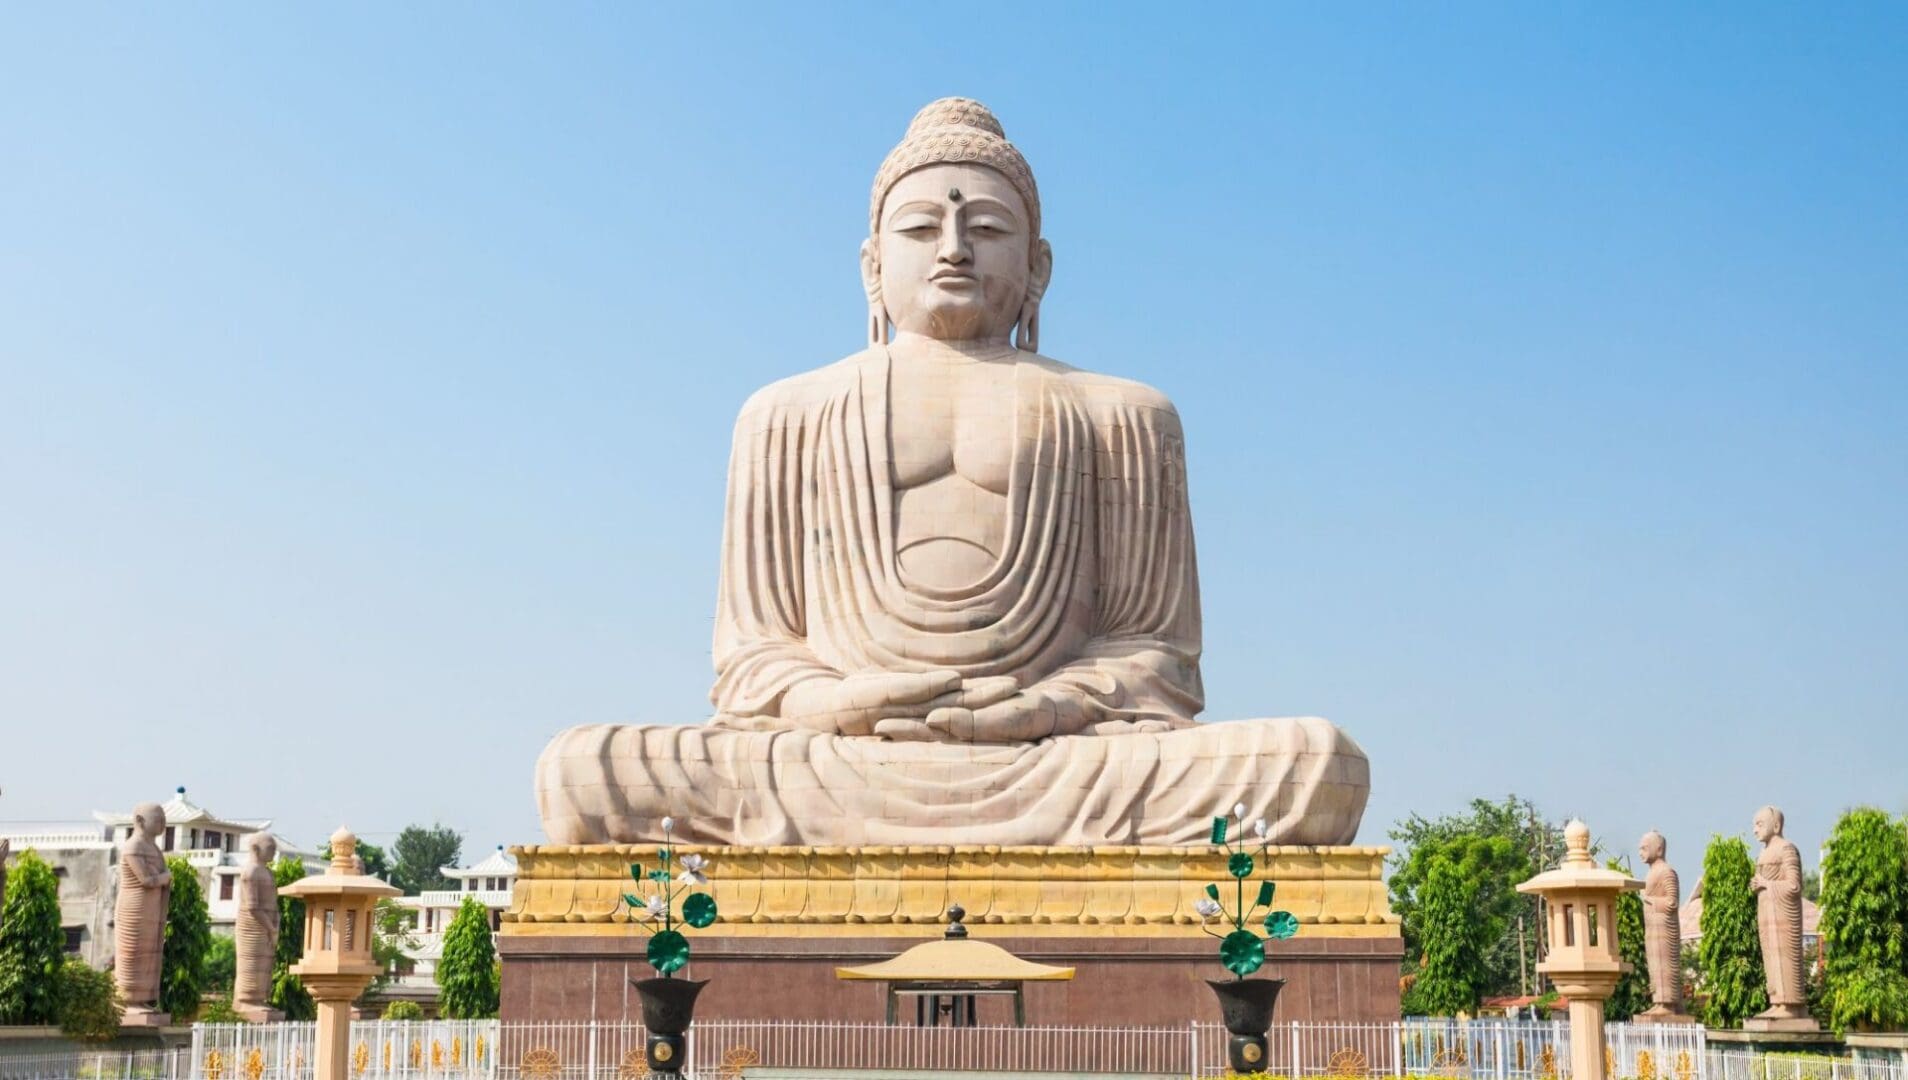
953 242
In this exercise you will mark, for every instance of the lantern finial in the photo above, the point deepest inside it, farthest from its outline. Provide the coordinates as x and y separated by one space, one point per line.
344 846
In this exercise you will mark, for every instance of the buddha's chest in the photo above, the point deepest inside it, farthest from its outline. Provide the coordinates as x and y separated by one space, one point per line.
951 440
953 422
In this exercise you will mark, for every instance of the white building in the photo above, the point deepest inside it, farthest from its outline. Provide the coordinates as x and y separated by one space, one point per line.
85 859
489 882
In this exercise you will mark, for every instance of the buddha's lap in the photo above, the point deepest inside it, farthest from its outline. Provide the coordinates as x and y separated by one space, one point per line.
611 784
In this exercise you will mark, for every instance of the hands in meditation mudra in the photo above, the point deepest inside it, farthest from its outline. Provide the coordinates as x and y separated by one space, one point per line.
958 598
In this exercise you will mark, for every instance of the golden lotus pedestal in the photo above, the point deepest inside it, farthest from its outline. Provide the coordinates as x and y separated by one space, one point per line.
1121 916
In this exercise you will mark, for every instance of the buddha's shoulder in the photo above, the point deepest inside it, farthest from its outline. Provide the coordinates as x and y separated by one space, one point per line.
1103 392
802 390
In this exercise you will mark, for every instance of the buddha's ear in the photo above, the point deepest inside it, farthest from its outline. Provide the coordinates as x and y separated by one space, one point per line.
1040 273
871 284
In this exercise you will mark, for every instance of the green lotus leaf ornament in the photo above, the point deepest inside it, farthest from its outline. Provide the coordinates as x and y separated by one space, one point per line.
1242 952
699 910
636 871
1239 864
1281 925
667 952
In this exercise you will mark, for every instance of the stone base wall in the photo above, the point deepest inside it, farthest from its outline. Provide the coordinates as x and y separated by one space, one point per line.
1117 980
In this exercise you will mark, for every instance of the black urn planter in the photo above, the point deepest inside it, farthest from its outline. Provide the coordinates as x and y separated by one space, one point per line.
669 1006
1245 1007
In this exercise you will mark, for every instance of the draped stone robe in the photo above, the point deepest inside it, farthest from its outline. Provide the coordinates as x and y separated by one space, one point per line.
1663 935
139 920
1093 593
1779 922
1095 587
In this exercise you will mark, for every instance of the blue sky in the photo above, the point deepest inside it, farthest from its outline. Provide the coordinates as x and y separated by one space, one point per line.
366 376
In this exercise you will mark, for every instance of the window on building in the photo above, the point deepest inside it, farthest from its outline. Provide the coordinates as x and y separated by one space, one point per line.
74 936
212 839
60 872
225 885
470 884
169 833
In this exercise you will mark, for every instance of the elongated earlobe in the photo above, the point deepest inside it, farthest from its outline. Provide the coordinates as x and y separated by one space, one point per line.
871 284
1027 333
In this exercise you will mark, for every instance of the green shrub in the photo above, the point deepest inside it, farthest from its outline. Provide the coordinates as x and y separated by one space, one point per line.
89 1008
219 1010
289 996
32 945
1731 951
403 1010
1865 922
221 964
467 974
188 935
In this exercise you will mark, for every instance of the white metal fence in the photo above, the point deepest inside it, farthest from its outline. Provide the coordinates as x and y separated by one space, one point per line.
488 1050
97 1065
1738 1065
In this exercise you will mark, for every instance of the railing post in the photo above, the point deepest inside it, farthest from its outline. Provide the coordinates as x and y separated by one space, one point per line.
590 1055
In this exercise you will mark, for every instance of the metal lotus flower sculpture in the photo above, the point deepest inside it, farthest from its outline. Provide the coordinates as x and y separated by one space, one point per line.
1242 950
669 900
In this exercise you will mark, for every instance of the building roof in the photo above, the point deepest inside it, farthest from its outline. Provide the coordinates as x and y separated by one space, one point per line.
499 863
182 811
956 960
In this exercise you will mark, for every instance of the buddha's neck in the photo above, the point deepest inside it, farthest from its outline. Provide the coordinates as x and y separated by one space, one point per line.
918 348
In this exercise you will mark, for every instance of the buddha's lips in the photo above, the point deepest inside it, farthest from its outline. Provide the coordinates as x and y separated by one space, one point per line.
954 276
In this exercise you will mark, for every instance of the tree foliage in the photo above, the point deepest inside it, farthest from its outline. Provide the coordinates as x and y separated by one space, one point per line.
1500 844
467 974
89 1008
1731 952
391 942
419 856
1864 924
1632 993
403 1010
288 993
188 936
1451 967
221 964
32 944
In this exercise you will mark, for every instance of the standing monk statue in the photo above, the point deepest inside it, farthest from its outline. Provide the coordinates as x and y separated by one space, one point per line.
1662 932
958 599
139 916
1778 888
256 931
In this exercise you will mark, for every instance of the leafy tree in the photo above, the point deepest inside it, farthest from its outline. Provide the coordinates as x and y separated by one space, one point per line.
403 1010
1731 953
89 1008
420 854
1865 922
221 964
1451 968
467 974
288 993
32 945
1528 844
391 942
1632 994
188 936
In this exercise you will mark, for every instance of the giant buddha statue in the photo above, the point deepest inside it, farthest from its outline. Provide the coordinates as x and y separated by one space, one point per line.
958 601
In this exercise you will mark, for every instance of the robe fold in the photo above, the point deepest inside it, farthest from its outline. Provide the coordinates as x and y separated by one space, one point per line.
1092 600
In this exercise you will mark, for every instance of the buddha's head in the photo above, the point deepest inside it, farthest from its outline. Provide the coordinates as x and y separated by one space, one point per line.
149 819
1768 824
263 847
1652 846
954 251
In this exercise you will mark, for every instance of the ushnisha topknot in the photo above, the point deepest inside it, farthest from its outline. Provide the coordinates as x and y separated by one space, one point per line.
954 130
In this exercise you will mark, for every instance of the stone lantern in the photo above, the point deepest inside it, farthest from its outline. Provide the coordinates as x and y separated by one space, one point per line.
1582 958
339 915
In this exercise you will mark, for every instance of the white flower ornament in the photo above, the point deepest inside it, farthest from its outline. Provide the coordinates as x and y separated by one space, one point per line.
692 870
